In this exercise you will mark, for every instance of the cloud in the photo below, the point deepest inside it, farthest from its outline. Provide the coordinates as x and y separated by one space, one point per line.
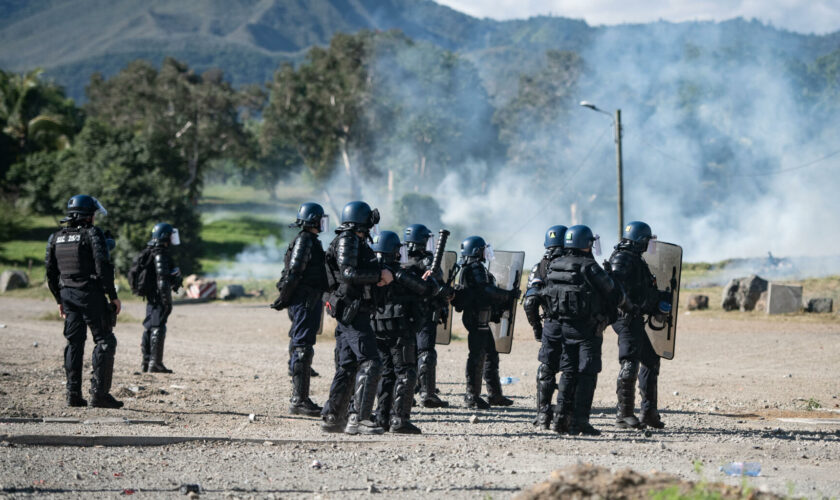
816 16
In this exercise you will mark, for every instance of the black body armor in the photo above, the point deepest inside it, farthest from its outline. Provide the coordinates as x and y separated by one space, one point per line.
633 274
479 296
78 256
305 263
352 270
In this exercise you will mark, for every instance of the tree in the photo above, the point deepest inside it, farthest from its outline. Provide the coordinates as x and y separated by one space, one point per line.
195 116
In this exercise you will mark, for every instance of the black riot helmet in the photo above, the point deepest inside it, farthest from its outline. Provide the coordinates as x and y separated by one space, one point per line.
579 237
636 235
473 248
309 215
358 215
387 246
82 207
554 236
416 237
163 232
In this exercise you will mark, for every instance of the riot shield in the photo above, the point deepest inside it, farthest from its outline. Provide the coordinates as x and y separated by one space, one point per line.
507 269
444 326
665 262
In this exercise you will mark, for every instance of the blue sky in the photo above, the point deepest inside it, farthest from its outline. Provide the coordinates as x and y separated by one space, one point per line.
804 16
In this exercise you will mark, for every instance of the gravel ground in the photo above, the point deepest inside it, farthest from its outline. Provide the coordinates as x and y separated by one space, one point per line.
722 397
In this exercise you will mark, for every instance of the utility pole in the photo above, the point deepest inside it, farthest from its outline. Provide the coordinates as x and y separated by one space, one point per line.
620 173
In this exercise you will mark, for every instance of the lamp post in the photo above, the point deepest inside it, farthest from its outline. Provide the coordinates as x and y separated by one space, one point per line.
620 176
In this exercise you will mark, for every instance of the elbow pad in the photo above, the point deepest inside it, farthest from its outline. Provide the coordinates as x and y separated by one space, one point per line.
412 283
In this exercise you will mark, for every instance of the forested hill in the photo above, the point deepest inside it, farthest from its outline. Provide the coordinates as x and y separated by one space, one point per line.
248 38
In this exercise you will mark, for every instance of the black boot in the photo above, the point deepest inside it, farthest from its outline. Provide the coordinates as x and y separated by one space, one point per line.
427 377
103 371
650 412
584 393
472 398
545 391
626 394
367 380
158 338
75 399
145 349
300 402
492 381
565 404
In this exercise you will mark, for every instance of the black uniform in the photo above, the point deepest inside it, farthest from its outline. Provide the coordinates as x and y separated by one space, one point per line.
634 347
419 262
352 271
479 297
80 275
396 321
548 332
158 307
581 297
303 284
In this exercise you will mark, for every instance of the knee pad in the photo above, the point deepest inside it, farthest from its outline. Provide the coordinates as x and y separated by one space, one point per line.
107 344
544 372
629 370
371 368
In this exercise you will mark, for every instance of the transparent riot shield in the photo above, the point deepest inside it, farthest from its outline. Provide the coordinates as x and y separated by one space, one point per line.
506 267
665 262
444 316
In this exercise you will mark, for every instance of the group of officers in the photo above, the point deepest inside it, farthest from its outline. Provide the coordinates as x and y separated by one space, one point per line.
387 297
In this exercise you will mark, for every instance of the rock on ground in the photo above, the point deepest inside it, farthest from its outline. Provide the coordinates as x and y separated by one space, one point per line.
12 279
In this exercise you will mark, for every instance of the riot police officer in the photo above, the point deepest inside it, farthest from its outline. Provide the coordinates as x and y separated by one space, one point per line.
547 331
581 296
80 275
352 271
303 283
634 347
400 312
159 301
419 260
480 298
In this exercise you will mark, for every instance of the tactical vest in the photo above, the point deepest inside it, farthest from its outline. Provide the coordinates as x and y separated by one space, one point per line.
568 295
74 256
476 311
399 311
314 276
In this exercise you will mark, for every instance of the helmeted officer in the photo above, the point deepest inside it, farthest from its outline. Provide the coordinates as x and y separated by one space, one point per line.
80 275
581 296
159 301
301 288
479 298
352 272
547 330
634 347
419 260
400 312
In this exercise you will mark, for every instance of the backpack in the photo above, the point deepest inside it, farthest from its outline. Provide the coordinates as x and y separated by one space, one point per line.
141 275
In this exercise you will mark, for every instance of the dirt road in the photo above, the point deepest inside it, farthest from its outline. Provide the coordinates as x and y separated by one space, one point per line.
722 398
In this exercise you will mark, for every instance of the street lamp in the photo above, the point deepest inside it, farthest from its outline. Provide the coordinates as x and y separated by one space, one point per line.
617 123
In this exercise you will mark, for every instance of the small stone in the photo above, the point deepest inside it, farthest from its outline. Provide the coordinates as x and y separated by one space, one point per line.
78 476
613 452
193 495
2 326
473 419
268 443
676 393
661 445
373 489
648 434
789 375
35 344
316 464
252 417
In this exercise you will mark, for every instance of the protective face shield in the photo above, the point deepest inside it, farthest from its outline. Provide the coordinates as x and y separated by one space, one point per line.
651 246
374 231
325 223
596 246
430 244
175 239
403 254
489 255
100 210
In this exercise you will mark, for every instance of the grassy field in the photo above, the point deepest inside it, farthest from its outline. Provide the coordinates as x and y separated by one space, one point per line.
241 218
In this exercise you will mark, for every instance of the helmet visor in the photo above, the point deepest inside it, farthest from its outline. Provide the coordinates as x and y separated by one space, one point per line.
403 254
489 255
374 231
651 246
175 238
596 246
100 210
325 223
430 244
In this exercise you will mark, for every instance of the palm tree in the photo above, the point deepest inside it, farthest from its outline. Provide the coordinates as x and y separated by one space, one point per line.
29 112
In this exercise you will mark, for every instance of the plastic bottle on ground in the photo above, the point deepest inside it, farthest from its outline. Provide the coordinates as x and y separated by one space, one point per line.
741 469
